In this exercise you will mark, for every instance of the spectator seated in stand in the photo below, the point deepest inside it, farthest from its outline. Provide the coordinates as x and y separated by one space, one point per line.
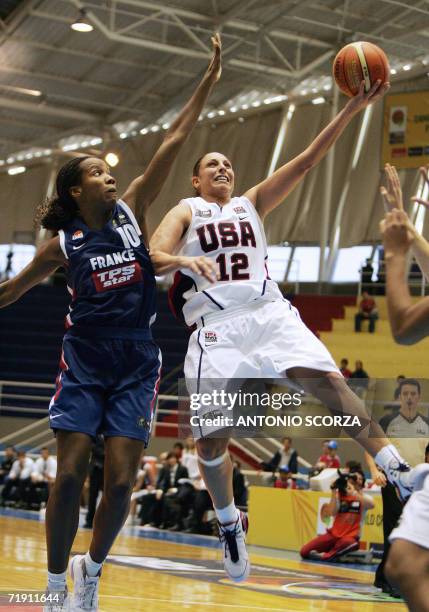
359 380
43 477
329 457
7 462
164 507
367 311
17 487
144 485
285 480
397 391
197 521
344 368
284 456
348 505
95 479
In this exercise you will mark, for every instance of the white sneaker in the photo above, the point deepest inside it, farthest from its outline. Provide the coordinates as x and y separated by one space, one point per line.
406 480
85 596
56 601
233 539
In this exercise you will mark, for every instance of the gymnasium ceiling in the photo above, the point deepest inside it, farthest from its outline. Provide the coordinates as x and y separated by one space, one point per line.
143 56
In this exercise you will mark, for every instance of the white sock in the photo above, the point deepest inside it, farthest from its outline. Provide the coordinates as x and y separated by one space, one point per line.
92 567
57 582
229 514
384 457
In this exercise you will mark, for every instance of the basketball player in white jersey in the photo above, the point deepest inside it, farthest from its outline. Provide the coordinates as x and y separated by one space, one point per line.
407 565
245 328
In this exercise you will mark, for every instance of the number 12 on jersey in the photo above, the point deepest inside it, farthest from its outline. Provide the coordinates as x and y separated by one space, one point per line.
234 269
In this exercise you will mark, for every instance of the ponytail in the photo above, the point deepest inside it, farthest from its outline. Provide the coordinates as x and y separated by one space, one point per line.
57 212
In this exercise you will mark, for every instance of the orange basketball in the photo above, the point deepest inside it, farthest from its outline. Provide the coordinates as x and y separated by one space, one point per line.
360 61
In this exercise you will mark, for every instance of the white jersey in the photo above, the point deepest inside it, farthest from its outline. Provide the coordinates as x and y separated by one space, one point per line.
233 237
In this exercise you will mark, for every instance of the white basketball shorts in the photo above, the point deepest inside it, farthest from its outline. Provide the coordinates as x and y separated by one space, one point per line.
259 340
414 522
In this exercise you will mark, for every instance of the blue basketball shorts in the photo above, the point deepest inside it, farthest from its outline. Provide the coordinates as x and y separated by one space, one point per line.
107 385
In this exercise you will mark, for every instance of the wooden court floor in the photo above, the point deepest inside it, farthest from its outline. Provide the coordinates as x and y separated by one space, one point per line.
154 575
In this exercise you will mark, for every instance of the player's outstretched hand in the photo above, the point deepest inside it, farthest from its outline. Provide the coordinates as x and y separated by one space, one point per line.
392 195
361 100
397 232
424 171
202 266
215 67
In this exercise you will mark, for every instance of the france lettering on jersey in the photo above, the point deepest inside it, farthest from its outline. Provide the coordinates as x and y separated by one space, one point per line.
233 237
109 273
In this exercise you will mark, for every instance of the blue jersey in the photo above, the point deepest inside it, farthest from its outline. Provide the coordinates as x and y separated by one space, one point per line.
109 273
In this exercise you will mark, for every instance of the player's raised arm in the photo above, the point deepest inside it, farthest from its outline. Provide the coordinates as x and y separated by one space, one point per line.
268 194
409 322
47 259
166 240
144 189
392 198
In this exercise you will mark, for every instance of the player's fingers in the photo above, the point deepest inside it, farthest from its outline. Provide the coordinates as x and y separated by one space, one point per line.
374 89
421 201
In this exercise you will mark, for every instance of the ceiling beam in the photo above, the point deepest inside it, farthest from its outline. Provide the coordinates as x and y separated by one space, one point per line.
47 109
62 79
138 42
94 56
243 26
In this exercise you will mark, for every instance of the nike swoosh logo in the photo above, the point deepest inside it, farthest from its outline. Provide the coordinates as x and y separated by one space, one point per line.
242 218
55 416
78 247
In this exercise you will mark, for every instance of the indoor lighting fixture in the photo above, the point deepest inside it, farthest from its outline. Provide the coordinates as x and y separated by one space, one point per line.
319 100
393 71
406 67
82 24
16 170
112 159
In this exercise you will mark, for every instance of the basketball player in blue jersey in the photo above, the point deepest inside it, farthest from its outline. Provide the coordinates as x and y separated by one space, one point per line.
407 564
245 328
110 366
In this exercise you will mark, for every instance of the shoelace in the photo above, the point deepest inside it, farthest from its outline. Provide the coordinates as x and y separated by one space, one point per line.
88 592
230 536
58 604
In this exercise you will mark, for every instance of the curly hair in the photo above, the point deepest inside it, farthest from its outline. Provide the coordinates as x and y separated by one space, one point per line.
56 212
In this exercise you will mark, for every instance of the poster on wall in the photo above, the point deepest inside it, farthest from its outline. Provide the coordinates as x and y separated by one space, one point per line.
406 129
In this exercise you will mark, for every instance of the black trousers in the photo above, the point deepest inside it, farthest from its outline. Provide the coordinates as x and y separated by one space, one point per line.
392 510
96 478
17 489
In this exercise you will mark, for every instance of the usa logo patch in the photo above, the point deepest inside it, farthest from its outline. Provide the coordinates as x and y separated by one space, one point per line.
203 213
210 338
240 209
77 235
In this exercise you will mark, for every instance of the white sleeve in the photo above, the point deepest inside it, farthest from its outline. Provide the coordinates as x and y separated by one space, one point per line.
37 467
14 470
52 467
28 468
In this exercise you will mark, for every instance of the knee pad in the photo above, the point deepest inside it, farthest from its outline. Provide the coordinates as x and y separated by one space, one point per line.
214 462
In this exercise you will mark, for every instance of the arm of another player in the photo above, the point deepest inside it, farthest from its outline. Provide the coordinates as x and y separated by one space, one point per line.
392 198
47 259
144 189
166 240
377 476
268 194
409 322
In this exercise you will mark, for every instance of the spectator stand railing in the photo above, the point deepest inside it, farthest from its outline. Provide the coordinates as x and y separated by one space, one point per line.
416 282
